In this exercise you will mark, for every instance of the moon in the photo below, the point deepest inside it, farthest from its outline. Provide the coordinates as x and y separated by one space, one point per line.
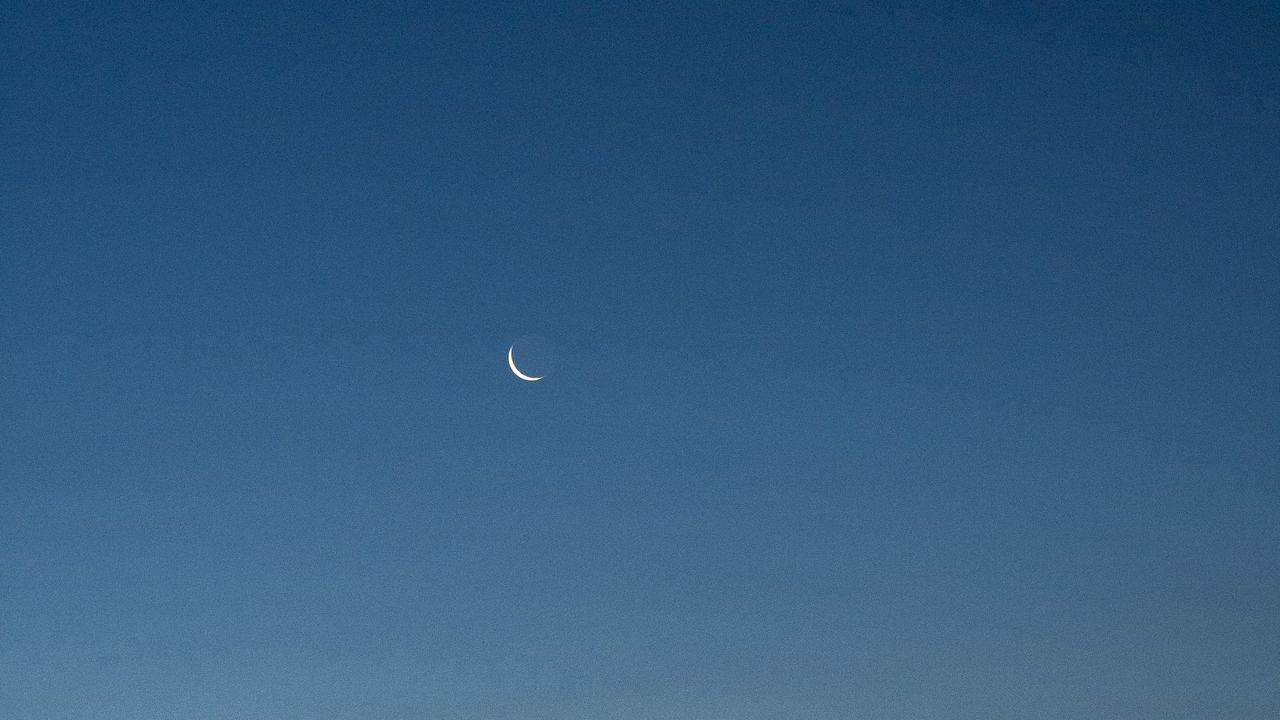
512 362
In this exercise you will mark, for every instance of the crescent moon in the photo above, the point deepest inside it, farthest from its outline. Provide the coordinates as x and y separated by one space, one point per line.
512 362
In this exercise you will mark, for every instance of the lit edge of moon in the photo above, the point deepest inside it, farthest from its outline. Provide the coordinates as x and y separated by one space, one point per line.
512 362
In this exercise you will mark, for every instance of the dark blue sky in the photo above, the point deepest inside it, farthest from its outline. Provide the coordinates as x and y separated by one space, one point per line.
913 363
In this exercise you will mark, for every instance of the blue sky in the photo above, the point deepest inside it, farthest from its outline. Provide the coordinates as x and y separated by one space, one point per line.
913 362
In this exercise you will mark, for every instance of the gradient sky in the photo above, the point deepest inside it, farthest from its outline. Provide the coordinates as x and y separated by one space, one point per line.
919 362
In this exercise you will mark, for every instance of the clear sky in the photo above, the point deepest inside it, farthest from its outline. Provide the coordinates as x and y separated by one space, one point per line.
919 362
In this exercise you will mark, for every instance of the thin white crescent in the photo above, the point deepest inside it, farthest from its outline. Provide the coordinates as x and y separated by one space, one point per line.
512 362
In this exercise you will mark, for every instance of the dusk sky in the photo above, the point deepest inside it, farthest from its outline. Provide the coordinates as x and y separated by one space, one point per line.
912 362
